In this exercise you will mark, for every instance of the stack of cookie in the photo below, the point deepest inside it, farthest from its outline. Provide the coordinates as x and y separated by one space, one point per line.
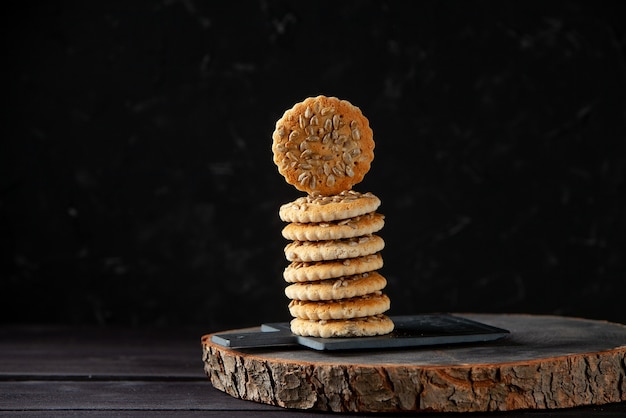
336 289
324 146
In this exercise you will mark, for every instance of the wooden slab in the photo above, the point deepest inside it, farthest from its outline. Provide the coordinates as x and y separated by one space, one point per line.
546 362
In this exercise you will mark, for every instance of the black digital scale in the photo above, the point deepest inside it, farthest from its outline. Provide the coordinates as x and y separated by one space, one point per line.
409 331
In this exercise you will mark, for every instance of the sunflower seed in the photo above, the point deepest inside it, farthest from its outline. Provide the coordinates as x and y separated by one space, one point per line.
306 153
314 121
293 135
326 139
327 157
291 156
308 113
356 134
304 145
313 183
355 152
349 171
306 166
302 121
280 148
327 169
353 124
328 124
313 138
336 121
341 139
303 178
281 131
326 110
337 172
330 180
347 158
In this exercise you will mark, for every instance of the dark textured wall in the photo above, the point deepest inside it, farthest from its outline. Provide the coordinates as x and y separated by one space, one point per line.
137 184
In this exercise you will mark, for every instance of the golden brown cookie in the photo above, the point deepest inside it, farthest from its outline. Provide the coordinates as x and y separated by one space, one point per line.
300 271
335 249
341 288
357 327
366 305
346 228
344 205
323 145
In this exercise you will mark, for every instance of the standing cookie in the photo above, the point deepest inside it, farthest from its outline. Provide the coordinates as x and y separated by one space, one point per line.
323 145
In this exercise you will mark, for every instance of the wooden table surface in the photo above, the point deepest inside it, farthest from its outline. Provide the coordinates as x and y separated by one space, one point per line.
75 371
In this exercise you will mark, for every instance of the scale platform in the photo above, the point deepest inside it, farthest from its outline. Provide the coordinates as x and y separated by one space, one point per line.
409 331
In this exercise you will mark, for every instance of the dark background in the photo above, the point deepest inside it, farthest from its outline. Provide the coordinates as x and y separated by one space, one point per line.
136 178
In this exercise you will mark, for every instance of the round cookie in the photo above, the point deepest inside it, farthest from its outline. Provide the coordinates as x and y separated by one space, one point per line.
300 271
334 289
335 249
346 204
366 305
357 327
346 228
323 145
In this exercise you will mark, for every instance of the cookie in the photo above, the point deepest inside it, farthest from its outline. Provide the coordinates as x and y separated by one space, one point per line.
341 288
335 249
346 228
366 305
323 145
347 204
357 327
300 271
